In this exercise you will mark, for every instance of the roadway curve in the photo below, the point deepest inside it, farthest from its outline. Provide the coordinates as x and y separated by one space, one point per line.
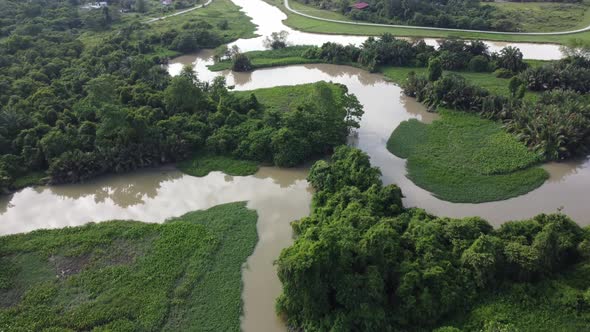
432 28
155 19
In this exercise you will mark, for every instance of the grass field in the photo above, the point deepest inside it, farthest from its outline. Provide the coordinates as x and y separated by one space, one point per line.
183 275
488 81
239 25
532 16
546 16
299 22
463 158
555 304
284 98
202 164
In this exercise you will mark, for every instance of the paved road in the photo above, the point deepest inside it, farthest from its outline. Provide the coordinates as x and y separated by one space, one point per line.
155 19
432 28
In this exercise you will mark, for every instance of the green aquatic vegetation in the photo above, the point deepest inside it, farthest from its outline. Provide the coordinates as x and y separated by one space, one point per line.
286 98
29 179
201 165
463 158
182 275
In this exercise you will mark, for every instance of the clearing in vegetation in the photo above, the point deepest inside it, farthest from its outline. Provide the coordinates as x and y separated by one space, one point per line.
545 16
488 81
182 275
463 158
286 98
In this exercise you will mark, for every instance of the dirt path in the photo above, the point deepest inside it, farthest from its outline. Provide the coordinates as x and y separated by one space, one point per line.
155 19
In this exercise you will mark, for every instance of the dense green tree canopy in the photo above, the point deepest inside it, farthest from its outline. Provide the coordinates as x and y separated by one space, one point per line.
74 110
362 262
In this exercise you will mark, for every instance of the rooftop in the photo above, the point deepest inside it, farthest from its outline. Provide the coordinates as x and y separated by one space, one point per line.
360 5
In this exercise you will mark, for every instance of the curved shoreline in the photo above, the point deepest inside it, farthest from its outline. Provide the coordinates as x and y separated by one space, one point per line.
555 33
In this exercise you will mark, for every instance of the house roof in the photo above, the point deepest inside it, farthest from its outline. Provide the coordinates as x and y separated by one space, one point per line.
360 5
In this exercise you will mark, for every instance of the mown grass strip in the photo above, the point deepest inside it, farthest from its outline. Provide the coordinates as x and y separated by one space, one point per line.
301 23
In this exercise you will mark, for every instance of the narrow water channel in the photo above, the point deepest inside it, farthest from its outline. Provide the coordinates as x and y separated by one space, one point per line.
282 195
385 108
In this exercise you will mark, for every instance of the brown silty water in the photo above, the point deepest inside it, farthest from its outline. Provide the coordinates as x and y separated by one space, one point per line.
282 195
279 195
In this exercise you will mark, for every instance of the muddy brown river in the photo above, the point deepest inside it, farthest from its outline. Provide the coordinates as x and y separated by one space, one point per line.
282 195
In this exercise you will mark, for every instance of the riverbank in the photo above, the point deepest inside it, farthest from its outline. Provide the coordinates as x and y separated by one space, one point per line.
434 267
293 55
308 24
452 175
184 274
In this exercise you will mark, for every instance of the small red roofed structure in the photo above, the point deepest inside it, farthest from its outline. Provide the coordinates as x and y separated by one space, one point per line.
360 5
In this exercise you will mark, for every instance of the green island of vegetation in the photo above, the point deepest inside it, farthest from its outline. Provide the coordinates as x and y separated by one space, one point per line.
543 104
498 16
363 262
463 158
182 275
281 99
83 92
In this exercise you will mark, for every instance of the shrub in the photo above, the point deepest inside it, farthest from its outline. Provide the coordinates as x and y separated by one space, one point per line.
503 73
241 62
511 58
434 69
479 64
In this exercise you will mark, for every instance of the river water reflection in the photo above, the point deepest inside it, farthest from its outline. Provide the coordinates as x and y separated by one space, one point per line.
281 195
386 107
278 195
269 19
